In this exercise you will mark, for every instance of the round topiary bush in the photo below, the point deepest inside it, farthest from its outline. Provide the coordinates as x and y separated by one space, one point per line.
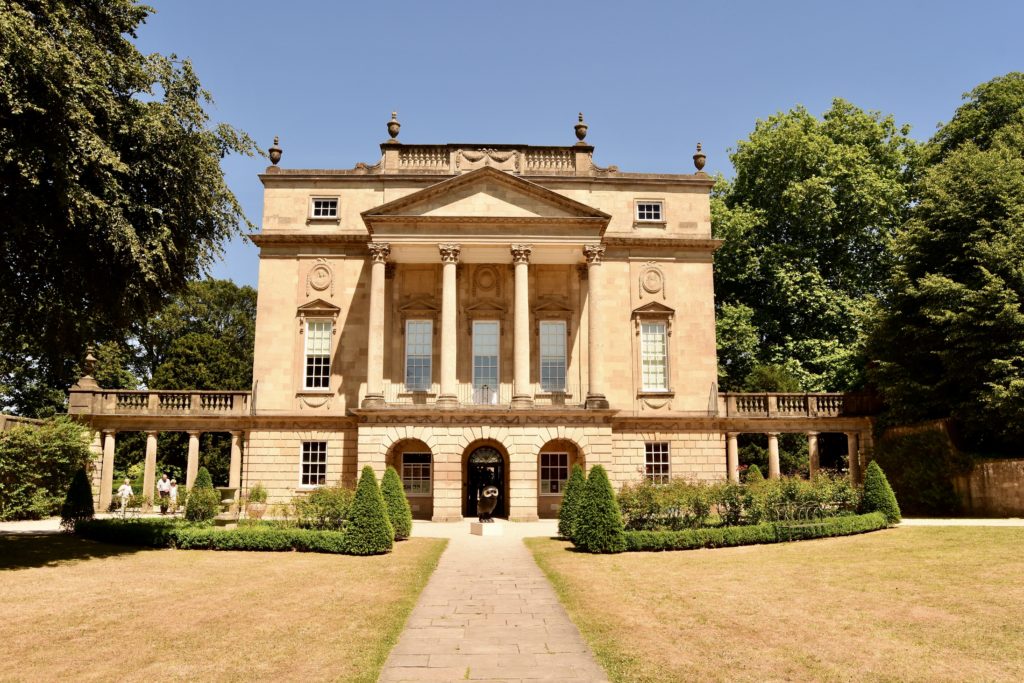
203 501
399 512
753 474
878 495
598 527
571 502
369 531
78 502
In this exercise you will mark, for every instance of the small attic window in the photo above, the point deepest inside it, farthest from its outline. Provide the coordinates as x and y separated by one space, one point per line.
324 207
649 211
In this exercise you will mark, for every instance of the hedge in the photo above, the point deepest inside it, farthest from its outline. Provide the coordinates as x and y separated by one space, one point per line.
768 532
159 533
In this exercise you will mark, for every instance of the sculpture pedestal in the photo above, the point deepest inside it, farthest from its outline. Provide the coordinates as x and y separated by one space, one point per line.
487 529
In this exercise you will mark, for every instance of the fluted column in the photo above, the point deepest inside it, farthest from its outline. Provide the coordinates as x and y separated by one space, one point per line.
774 471
449 386
595 330
522 397
235 468
192 466
853 451
107 470
379 252
813 455
732 456
149 473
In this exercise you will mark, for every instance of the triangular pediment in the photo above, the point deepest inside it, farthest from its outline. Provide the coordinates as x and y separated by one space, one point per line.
485 193
551 307
485 306
318 306
420 304
654 309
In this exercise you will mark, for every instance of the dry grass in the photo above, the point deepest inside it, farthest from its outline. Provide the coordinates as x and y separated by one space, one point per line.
85 611
908 604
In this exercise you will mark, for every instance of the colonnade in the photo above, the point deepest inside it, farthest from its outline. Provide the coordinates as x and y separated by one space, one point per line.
449 254
774 472
109 437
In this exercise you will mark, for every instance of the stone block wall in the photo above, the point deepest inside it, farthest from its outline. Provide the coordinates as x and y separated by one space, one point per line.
274 457
699 456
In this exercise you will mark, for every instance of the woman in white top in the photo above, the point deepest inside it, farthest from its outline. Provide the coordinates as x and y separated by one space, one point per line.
125 492
174 496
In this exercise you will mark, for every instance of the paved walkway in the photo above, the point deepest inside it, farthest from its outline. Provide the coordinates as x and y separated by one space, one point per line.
489 614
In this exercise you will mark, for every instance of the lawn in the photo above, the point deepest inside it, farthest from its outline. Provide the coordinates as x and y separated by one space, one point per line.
80 610
905 604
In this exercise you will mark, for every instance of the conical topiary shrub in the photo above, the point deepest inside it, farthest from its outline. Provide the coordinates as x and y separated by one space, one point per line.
78 502
598 527
878 495
369 531
571 502
754 474
203 501
399 512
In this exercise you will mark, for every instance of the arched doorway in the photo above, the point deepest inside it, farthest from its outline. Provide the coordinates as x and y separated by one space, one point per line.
485 466
554 464
415 465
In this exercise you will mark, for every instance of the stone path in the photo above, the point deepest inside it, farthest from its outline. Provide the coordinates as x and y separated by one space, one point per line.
489 614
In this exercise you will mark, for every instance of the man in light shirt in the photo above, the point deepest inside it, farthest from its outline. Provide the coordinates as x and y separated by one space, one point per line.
124 493
163 487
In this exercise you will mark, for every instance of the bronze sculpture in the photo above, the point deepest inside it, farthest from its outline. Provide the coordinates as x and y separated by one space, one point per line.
486 502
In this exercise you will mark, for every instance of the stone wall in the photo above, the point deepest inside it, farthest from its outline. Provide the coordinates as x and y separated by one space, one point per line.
995 488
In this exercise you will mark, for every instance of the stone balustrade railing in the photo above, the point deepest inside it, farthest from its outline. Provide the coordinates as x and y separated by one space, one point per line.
771 404
459 158
177 403
397 394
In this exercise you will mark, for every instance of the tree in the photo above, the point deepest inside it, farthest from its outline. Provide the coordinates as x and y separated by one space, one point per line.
598 527
78 502
399 512
110 183
878 495
37 463
569 510
949 340
369 532
806 225
203 501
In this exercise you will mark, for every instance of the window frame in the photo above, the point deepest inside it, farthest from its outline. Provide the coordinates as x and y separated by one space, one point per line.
429 478
637 220
564 357
303 464
497 360
558 466
660 477
324 198
329 322
667 384
429 355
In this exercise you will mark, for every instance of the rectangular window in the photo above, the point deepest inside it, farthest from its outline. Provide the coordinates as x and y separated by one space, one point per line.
656 461
554 472
318 354
649 211
314 463
552 356
485 361
325 208
416 473
419 335
654 356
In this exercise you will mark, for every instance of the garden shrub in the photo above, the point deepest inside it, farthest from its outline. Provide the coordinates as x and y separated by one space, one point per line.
729 498
920 467
161 533
369 531
569 510
258 493
37 463
598 527
326 508
676 504
203 502
878 495
150 533
77 505
399 512
753 474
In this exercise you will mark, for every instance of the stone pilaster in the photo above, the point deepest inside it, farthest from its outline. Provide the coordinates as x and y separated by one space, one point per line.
522 397
595 330
774 471
379 253
448 397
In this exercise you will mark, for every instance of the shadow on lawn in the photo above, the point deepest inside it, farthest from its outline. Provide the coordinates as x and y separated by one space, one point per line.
47 549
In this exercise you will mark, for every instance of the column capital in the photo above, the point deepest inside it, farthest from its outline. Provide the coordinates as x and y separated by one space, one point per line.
775 434
732 435
379 251
449 252
813 433
195 432
521 253
153 432
237 434
594 254
109 432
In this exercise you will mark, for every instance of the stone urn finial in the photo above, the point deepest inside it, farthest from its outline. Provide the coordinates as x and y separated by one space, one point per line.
393 127
581 130
275 151
90 361
699 158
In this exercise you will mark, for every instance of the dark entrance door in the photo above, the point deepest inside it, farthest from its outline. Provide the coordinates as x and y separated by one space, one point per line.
486 468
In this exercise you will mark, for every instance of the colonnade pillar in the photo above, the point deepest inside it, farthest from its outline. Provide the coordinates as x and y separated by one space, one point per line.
813 456
522 397
107 470
379 252
732 457
774 471
149 473
192 466
853 451
448 397
596 331
235 467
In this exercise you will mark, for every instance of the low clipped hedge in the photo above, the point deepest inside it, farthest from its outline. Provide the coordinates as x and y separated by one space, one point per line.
159 533
767 532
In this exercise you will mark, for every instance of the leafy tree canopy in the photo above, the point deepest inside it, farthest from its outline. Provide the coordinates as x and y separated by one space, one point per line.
110 183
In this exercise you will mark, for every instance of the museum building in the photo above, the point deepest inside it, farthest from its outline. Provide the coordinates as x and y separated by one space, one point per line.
474 314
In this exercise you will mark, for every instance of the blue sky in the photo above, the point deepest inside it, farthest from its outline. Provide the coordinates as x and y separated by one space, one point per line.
652 78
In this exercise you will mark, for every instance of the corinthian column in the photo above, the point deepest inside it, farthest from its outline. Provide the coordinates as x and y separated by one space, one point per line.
521 395
450 258
595 330
379 252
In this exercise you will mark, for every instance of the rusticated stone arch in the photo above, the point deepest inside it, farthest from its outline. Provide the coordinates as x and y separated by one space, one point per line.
498 434
395 434
574 435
